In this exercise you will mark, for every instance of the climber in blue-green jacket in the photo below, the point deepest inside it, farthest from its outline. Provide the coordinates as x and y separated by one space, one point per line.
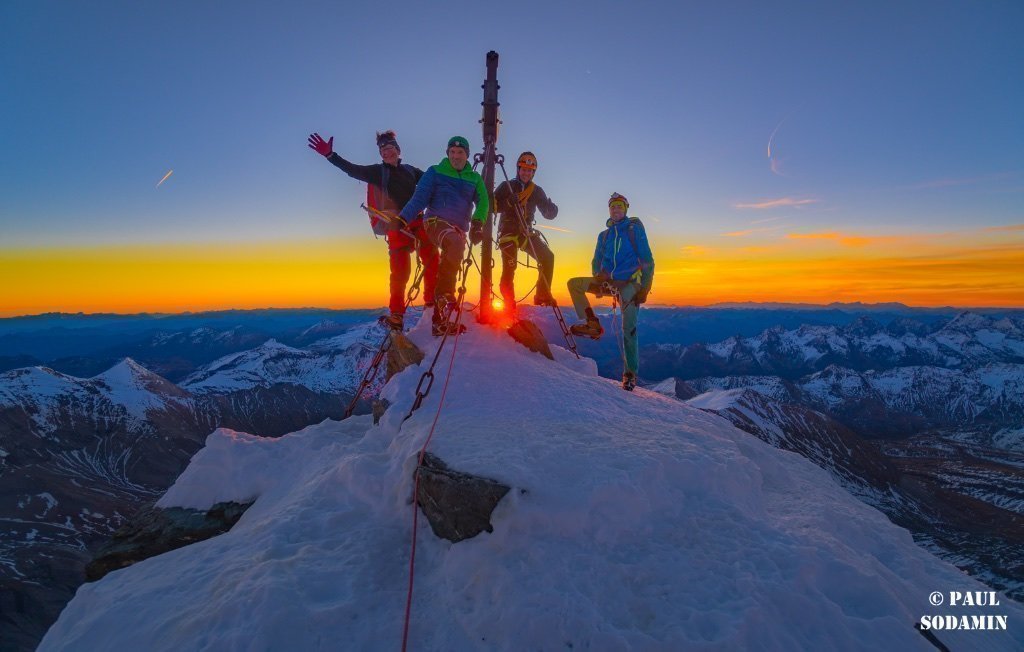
623 265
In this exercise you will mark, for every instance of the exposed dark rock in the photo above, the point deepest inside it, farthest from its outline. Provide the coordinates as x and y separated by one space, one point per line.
401 354
684 390
380 406
154 531
272 411
526 333
458 505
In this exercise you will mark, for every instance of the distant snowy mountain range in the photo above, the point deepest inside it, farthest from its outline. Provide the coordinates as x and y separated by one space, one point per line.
967 341
79 454
986 402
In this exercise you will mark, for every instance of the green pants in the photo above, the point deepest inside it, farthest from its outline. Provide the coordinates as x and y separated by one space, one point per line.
578 288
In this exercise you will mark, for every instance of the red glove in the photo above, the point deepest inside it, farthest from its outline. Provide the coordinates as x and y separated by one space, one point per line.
320 146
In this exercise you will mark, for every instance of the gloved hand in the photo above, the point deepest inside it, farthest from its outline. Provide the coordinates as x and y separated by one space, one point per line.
320 146
476 232
602 277
641 297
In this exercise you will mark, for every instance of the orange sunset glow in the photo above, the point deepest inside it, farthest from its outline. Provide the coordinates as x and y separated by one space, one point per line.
984 267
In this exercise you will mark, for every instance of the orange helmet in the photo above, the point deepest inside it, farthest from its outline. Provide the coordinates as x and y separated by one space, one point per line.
527 160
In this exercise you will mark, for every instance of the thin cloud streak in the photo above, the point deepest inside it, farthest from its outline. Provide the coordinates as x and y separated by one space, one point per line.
774 164
169 173
776 203
841 238
553 228
964 181
745 232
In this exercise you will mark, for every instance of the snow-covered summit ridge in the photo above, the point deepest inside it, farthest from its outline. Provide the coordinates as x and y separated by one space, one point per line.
635 522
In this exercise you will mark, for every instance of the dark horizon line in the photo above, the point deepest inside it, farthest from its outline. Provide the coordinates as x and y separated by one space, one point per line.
722 305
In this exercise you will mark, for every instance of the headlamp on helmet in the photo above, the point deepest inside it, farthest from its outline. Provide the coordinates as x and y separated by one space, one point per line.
527 160
616 198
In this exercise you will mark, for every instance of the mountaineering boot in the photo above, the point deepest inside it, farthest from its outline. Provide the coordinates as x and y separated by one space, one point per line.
590 328
394 321
629 381
439 328
543 299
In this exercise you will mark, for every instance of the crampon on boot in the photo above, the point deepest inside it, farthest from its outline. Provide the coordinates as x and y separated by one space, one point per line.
443 320
590 328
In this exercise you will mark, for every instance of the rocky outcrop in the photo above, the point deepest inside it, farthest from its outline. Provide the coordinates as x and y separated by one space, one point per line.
457 505
401 354
154 531
526 333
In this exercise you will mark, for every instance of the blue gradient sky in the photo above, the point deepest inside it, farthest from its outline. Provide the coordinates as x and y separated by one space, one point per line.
888 117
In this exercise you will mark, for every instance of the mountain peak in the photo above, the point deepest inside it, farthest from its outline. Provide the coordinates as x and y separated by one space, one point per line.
127 368
907 325
863 326
273 346
129 377
323 326
968 322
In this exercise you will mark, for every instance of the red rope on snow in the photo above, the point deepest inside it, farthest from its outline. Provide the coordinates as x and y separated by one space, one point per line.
416 483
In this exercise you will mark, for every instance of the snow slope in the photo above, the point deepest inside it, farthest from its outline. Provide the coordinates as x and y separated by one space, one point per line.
635 522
